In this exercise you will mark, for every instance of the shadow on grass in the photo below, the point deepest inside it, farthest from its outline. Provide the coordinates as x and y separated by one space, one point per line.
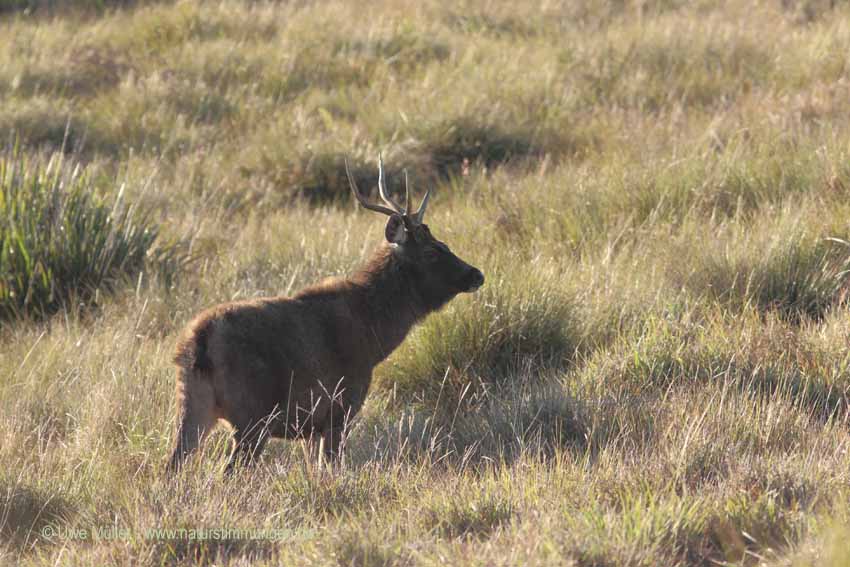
355 548
799 279
436 154
210 551
65 7
450 145
463 518
28 516
754 367
50 126
539 421
87 71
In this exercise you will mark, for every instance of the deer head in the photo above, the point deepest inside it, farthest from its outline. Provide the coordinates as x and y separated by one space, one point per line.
438 271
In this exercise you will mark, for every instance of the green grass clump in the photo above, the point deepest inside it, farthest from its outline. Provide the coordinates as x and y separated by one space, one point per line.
799 278
793 268
60 241
484 343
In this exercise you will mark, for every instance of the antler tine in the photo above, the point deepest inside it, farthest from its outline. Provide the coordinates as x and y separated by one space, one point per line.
419 215
360 199
382 189
406 192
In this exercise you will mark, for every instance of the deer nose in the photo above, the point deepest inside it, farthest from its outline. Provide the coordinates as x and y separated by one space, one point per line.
476 279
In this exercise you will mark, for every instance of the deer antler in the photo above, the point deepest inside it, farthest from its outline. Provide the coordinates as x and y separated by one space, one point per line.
419 215
382 189
394 207
360 199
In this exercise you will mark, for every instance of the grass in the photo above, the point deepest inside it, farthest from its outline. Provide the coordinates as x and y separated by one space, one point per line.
655 372
60 242
488 342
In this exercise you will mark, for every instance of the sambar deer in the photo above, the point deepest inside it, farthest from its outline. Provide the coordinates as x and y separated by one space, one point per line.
300 366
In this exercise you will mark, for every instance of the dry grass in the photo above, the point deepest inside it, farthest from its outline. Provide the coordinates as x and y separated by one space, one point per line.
656 371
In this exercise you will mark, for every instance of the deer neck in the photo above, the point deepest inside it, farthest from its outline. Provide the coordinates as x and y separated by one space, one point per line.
390 302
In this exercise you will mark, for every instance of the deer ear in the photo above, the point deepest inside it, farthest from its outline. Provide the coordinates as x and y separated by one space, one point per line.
395 231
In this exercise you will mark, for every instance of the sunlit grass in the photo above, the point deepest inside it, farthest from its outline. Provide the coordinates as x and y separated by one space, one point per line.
655 371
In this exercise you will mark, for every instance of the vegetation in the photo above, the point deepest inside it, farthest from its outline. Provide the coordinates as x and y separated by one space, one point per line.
655 372
59 242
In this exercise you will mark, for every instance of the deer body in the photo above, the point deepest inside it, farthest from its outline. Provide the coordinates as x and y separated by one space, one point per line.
301 366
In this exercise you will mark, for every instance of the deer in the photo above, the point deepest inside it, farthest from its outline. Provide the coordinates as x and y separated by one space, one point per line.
300 367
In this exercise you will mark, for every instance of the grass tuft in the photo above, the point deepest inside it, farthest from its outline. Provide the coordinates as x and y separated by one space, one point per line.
462 517
59 241
795 274
476 345
26 511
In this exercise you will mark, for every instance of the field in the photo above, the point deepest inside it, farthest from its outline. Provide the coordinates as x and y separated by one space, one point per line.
656 371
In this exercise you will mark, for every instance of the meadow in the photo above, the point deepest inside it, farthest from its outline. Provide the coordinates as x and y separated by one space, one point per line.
656 371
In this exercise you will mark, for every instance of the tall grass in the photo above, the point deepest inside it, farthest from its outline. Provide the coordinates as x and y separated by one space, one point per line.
655 372
60 241
485 344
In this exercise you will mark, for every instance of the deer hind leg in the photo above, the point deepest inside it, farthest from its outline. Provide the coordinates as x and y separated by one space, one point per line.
327 442
343 409
249 439
252 424
331 441
197 416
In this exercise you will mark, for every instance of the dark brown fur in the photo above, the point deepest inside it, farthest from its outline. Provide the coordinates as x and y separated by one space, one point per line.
301 366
